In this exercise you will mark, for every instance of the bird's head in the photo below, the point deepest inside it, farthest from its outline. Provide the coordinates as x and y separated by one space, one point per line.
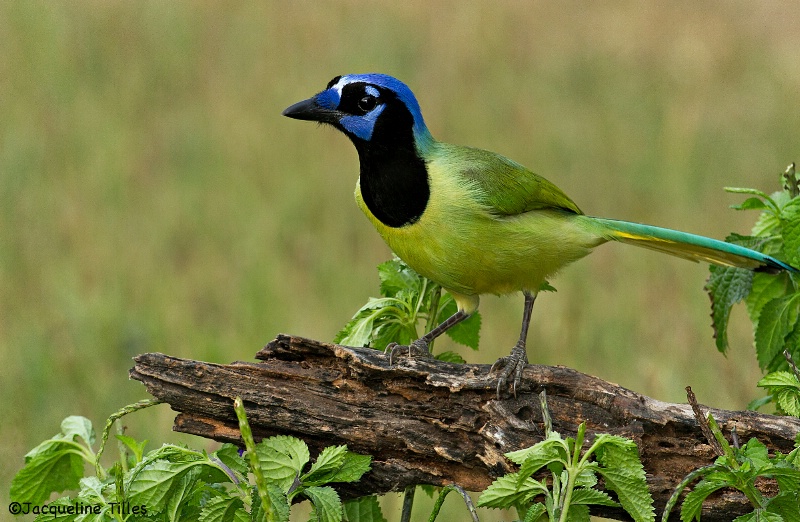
371 109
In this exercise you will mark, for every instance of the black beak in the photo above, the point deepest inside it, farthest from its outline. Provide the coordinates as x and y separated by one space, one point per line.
311 110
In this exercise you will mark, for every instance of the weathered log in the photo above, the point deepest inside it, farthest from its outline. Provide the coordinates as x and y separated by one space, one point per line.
430 422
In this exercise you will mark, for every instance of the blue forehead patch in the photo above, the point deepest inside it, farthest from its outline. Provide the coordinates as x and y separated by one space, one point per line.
329 99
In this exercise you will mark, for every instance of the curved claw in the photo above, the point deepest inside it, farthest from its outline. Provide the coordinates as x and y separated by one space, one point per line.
510 364
418 348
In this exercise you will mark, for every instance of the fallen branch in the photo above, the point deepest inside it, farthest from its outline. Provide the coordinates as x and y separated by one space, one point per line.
430 422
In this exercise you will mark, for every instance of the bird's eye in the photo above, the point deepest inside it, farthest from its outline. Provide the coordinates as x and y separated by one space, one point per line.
367 103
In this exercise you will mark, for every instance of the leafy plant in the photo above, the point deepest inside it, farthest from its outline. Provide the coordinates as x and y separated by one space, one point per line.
177 483
739 468
406 299
773 301
784 388
573 476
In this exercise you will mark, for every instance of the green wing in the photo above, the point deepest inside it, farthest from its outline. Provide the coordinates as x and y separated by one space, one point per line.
504 185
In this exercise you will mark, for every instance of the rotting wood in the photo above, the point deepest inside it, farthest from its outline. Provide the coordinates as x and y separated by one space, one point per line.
430 422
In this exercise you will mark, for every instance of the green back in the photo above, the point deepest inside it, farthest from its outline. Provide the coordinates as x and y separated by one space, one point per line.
504 185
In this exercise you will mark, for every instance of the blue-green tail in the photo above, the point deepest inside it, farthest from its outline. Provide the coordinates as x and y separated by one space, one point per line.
689 246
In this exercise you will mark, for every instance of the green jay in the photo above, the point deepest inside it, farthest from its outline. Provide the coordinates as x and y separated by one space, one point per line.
471 220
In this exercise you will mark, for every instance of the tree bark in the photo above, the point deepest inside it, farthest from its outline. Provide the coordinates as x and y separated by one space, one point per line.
429 422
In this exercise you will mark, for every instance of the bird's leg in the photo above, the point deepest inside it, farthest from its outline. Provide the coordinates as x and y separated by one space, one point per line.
420 346
516 361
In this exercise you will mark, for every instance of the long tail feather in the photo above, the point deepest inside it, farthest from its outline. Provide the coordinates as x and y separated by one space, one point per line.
690 246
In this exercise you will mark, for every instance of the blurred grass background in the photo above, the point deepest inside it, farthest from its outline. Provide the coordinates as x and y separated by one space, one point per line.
152 198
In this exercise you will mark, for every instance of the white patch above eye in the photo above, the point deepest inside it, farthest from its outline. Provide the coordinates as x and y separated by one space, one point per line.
372 91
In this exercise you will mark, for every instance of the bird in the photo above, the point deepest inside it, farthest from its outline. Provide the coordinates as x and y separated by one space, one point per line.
474 221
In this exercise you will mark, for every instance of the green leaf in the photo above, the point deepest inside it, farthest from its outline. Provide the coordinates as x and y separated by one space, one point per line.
53 466
327 505
353 468
223 509
281 459
592 496
397 276
790 231
759 515
154 483
553 440
786 503
451 357
764 289
136 447
279 501
363 509
228 454
693 503
77 426
535 512
726 286
779 379
62 515
504 493
778 319
181 492
540 455
789 401
336 464
755 404
750 204
624 474
467 332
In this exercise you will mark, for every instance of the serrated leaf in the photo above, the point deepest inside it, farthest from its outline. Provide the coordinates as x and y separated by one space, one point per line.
91 490
223 509
353 468
279 501
593 497
363 509
467 332
789 401
759 515
779 379
155 482
535 512
326 466
327 505
553 440
790 231
55 466
726 286
228 454
578 513
778 319
504 493
540 456
282 458
396 276
764 289
624 474
787 504
693 503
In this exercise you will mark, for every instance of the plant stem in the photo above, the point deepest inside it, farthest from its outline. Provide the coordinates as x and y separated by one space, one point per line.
130 408
255 466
